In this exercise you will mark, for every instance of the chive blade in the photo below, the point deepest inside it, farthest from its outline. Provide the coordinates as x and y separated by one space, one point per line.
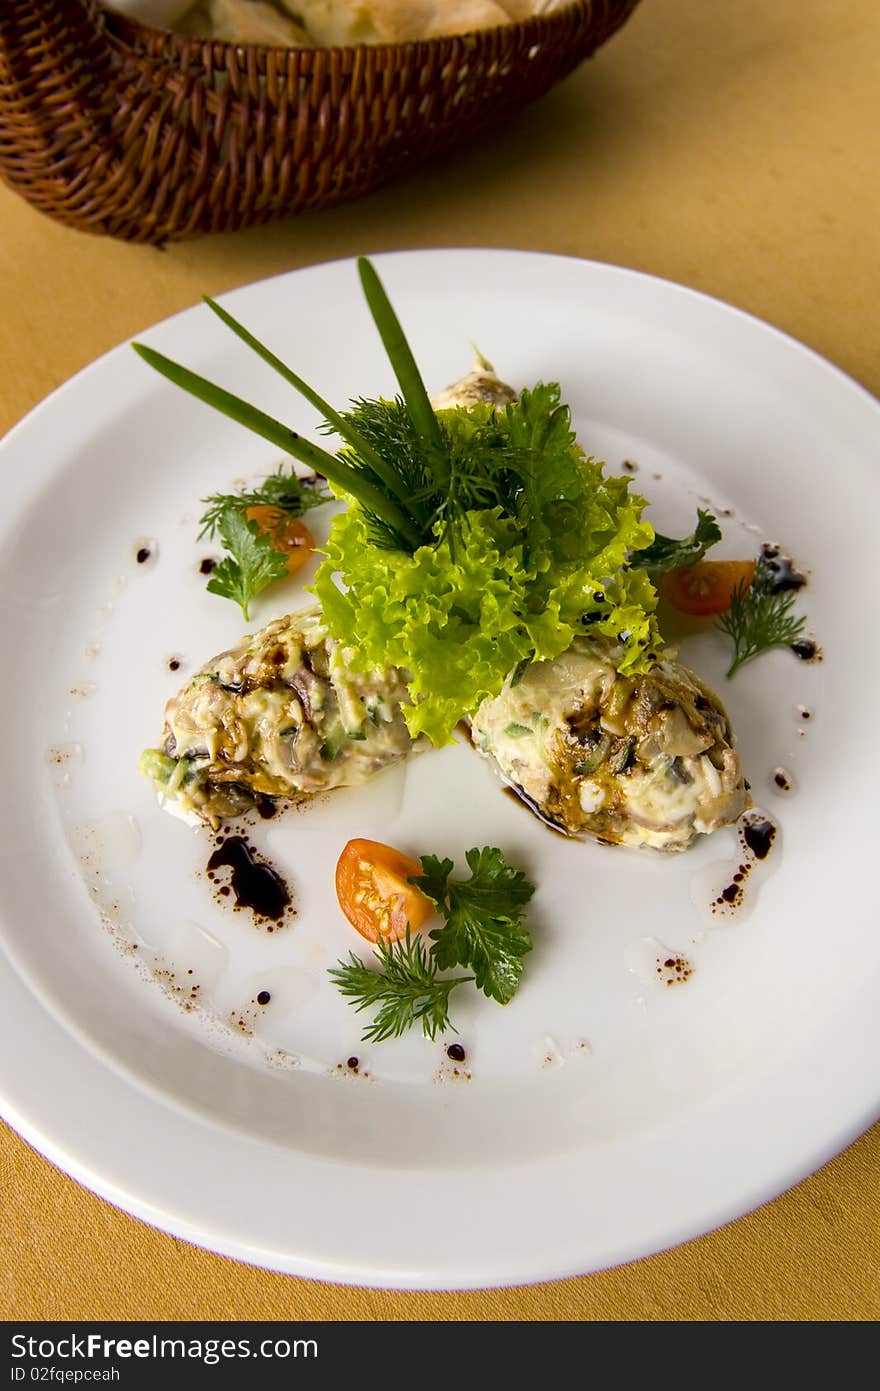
409 377
349 479
343 428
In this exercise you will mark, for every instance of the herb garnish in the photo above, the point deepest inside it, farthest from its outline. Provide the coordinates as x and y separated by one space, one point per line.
252 562
666 553
483 932
473 538
759 618
406 988
284 490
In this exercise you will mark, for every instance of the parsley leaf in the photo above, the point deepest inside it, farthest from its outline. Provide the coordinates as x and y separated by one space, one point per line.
406 988
759 618
252 563
483 930
665 553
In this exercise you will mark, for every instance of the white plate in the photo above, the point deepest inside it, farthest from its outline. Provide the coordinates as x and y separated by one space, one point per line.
605 1116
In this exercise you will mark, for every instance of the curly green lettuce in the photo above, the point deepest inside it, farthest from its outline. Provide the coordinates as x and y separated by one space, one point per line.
456 616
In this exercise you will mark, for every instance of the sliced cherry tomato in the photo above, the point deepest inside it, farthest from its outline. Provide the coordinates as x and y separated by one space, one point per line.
288 534
708 586
373 892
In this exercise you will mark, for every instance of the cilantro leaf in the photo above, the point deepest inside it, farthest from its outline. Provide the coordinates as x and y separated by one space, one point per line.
666 553
252 563
484 930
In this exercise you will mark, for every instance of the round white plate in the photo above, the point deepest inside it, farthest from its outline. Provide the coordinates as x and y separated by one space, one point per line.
602 1115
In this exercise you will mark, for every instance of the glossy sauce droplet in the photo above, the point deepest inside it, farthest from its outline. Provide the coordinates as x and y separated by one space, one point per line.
782 780
674 970
456 1053
207 565
807 649
256 885
781 569
145 550
263 997
759 835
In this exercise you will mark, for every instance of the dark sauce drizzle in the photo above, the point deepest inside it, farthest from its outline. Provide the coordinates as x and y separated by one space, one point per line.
807 649
785 578
781 570
758 834
256 885
518 795
207 565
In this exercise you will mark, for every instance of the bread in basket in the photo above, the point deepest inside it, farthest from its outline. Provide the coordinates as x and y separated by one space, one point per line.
111 126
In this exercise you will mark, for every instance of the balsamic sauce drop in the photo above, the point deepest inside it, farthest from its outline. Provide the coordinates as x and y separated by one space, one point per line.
806 649
759 836
780 568
254 883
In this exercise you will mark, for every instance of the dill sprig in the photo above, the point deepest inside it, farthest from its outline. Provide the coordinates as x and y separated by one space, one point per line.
759 618
284 490
406 987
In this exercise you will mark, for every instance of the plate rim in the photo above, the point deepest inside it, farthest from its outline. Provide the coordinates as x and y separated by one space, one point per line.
65 1159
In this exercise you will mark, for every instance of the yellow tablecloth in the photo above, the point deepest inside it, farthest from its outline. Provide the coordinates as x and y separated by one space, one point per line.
731 147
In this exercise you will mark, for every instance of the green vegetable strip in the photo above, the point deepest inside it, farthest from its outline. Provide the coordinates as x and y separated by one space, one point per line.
405 369
343 427
349 479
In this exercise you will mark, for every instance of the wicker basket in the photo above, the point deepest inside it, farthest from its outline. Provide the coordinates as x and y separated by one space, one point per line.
113 127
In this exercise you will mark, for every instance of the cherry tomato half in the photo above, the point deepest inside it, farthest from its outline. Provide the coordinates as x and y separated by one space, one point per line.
707 587
373 893
288 534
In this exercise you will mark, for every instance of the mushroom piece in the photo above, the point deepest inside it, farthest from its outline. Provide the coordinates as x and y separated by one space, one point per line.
643 760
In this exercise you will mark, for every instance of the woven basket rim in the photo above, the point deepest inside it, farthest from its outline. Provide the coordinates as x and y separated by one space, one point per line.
125 23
